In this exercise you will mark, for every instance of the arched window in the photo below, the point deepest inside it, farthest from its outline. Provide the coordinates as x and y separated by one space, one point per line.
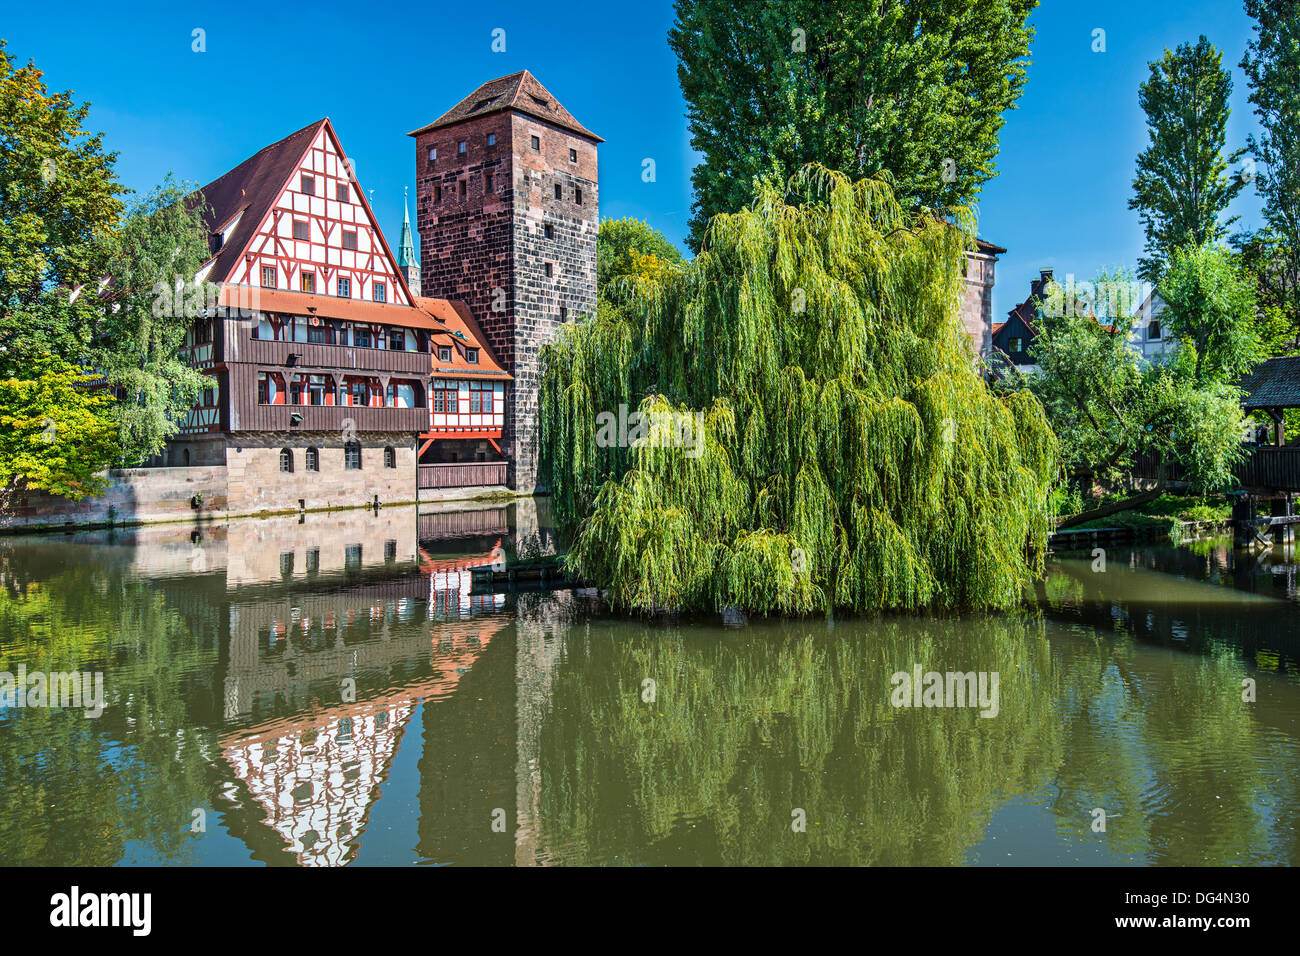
352 456
390 458
313 459
286 459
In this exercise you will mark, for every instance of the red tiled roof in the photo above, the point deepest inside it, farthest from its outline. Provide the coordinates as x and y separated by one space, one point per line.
519 92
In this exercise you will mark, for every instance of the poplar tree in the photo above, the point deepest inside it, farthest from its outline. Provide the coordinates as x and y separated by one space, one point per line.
846 452
916 87
1272 67
1183 187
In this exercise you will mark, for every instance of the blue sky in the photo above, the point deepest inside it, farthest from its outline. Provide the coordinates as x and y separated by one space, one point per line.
379 70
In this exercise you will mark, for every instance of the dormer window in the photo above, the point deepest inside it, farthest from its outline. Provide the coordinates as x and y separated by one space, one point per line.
471 356
308 185
444 353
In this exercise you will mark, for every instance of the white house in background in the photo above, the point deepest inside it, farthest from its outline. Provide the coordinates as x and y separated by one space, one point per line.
1149 337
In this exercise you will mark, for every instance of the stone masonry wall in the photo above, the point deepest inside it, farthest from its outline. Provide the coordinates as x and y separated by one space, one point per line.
132 495
977 301
490 249
542 302
256 482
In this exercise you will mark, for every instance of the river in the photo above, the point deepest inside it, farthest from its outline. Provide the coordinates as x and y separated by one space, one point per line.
324 690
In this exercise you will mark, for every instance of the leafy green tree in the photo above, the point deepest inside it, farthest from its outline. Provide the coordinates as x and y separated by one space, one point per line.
1272 65
817 433
623 244
1210 309
1109 407
56 431
915 87
1182 187
59 206
142 324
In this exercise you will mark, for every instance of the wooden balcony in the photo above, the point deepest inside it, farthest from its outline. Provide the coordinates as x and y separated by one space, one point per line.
464 474
326 418
240 346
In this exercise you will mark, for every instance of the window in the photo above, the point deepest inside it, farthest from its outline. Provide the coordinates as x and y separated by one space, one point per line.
433 155
461 149
401 395
308 281
475 401
1153 331
390 551
390 458
349 239
549 231
559 191
487 182
309 185
316 385
573 155
471 356
286 564
313 459
380 291
268 277
444 353
341 192
318 334
536 143
286 460
462 189
577 195
313 560
345 289
352 557
396 340
1014 344
352 457
492 139
300 230
267 389
549 270
437 194
564 314
361 336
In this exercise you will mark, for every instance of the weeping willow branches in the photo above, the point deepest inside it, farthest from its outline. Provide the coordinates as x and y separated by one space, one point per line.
849 455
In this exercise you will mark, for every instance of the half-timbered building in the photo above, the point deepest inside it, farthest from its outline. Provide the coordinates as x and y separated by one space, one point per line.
321 358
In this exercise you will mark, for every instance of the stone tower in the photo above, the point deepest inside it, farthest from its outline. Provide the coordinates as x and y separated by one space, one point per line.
507 210
406 260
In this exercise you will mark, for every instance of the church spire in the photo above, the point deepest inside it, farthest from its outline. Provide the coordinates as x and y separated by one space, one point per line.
406 260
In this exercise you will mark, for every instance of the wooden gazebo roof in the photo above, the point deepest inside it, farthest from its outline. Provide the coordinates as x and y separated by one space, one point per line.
1275 384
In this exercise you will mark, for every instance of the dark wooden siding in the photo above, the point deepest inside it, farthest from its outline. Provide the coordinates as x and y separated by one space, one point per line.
240 346
467 474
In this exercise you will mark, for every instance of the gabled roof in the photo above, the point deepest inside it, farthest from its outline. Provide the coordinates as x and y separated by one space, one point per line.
459 328
251 188
519 92
255 186
1275 384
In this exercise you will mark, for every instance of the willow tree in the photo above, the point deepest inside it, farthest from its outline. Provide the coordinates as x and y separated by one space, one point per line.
842 449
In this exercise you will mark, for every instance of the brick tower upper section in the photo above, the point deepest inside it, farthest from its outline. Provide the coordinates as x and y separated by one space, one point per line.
507 211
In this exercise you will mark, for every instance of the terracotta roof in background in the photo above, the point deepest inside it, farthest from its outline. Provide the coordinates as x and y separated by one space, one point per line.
518 91
459 319
252 188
